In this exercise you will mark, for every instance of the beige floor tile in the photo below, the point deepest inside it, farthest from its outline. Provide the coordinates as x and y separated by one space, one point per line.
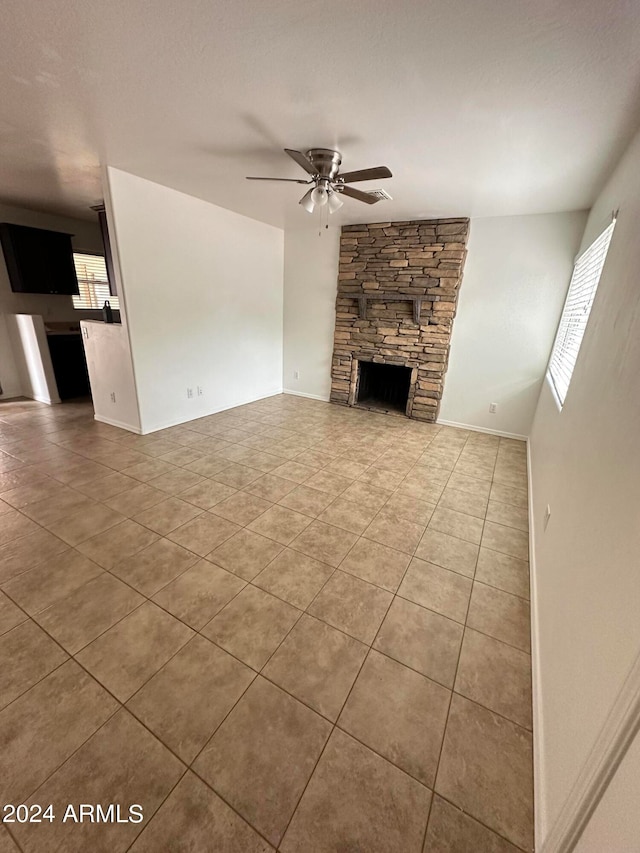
128 654
147 470
204 533
507 475
458 524
207 493
10 614
7 844
208 466
296 471
186 700
437 589
166 516
307 501
107 487
501 615
241 508
14 524
318 665
197 595
31 493
378 564
280 524
324 542
26 656
509 495
237 476
325 481
77 528
22 554
294 577
182 456
134 768
469 485
155 566
262 756
447 551
463 502
382 478
315 458
508 515
411 509
348 515
175 481
352 605
421 639
398 713
261 461
486 769
245 554
252 626
68 702
504 572
495 675
270 488
394 532
452 831
116 544
474 469
421 489
79 618
357 800
51 581
217 828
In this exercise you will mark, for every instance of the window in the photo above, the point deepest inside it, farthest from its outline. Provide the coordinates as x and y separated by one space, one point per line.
575 314
93 283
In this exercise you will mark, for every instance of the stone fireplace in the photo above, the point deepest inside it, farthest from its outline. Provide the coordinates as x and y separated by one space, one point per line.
398 285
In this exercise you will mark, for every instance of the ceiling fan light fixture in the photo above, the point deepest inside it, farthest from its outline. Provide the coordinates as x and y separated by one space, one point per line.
307 201
334 202
319 196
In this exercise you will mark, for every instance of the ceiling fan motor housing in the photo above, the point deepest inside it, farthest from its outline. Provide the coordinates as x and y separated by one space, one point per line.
326 161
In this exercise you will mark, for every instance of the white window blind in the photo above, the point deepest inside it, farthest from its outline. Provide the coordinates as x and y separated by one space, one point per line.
93 283
575 314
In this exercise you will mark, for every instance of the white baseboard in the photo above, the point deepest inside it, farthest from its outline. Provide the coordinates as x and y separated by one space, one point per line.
303 394
474 428
115 423
536 694
242 402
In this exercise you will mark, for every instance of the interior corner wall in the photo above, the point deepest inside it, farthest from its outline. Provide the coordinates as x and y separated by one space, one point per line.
310 282
514 285
202 290
586 467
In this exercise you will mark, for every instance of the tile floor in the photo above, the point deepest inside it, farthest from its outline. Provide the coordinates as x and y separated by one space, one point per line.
288 626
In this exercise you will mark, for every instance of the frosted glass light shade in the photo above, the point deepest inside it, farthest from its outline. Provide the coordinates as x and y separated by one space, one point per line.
334 201
307 201
319 196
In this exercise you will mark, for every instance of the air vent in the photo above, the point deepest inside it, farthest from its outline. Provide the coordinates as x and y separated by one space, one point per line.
381 194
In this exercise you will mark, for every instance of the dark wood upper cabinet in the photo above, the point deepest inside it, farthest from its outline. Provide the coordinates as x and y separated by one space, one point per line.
38 261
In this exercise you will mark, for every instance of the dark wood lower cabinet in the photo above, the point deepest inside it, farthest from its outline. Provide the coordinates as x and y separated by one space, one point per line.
69 365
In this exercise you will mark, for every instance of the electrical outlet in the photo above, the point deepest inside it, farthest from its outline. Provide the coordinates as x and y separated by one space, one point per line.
296 374
547 516
199 390
493 408
189 393
113 396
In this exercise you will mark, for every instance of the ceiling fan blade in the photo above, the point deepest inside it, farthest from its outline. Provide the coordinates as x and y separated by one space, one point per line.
301 160
374 174
354 193
290 180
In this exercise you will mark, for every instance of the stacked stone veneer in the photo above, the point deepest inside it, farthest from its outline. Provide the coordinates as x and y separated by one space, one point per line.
422 258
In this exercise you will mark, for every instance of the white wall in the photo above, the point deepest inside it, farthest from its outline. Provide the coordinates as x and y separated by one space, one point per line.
86 238
32 357
586 467
113 389
615 824
202 291
515 281
310 285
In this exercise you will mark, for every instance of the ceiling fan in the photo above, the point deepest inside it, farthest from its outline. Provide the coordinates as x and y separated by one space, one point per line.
323 165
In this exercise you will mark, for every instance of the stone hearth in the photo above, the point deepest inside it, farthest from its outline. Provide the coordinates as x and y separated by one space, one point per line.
398 285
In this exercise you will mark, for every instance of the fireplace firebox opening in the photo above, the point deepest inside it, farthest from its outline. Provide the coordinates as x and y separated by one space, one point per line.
383 386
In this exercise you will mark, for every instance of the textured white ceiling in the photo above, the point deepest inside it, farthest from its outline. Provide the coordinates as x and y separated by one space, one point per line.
479 108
